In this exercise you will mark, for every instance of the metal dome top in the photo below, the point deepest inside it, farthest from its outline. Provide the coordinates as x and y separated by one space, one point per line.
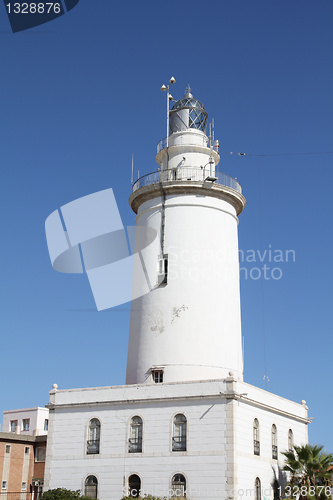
190 112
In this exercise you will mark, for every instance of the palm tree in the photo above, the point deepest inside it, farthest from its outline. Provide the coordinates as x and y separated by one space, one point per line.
310 473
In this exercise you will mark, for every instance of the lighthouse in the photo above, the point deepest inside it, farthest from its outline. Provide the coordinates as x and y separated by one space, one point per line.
186 424
189 326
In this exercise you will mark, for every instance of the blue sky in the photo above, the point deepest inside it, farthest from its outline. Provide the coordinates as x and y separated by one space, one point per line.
80 94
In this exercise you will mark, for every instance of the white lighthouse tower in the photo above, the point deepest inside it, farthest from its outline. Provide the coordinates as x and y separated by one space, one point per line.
189 326
185 424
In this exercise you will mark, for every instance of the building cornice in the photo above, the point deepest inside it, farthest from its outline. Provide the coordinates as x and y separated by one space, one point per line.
11 436
228 395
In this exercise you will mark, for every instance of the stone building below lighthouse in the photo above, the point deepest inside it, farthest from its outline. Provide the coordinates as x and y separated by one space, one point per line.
185 424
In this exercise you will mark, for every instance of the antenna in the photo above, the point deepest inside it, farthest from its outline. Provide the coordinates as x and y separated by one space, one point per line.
132 168
211 133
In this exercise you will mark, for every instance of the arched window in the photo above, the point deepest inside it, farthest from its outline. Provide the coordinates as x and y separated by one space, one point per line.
134 486
257 489
274 442
179 433
256 437
290 440
94 434
135 438
178 486
90 487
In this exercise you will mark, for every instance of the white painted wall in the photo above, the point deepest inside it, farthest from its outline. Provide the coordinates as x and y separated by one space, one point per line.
192 326
210 451
37 418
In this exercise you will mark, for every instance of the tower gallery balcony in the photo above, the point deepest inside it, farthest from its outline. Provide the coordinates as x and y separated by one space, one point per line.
190 180
195 174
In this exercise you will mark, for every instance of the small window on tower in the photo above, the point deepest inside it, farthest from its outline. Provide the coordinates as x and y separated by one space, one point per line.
7 448
4 485
27 450
162 278
157 376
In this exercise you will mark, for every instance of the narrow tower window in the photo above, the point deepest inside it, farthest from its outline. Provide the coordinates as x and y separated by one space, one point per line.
178 486
179 433
94 433
274 442
256 438
290 440
90 487
162 277
135 439
157 376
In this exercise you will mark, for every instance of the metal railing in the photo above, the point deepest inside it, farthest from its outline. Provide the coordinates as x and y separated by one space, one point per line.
186 174
274 451
179 443
135 445
93 447
256 446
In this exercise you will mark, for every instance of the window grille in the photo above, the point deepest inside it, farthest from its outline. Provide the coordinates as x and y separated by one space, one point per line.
179 433
178 486
93 441
256 438
135 439
290 440
90 487
274 442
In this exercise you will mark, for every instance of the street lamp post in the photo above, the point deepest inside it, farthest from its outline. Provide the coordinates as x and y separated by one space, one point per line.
169 98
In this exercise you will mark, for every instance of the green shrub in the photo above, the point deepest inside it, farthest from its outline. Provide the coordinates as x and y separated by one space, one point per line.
62 494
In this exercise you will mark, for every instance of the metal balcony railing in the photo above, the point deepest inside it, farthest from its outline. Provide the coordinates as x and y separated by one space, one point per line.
135 445
186 174
256 447
92 447
179 443
274 452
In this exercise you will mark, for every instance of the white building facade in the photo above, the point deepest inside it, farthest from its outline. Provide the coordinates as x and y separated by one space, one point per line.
27 421
186 424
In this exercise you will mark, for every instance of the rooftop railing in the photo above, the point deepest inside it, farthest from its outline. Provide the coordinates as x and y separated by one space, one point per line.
186 174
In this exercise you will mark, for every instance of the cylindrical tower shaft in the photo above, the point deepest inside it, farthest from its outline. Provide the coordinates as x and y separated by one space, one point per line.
189 326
